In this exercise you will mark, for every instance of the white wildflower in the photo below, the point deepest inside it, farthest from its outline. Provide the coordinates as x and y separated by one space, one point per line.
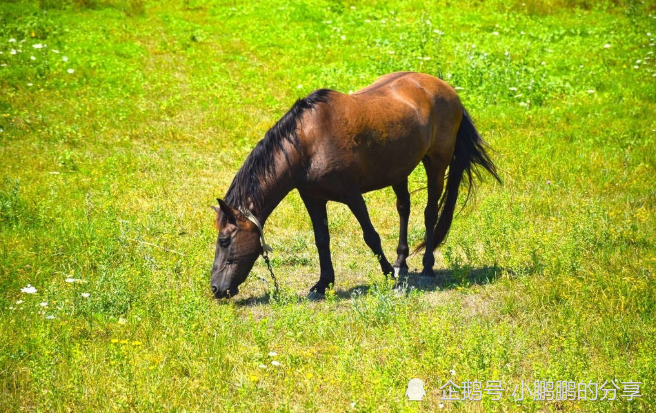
73 280
275 363
44 304
85 295
37 46
29 289
606 46
71 71
65 58
272 354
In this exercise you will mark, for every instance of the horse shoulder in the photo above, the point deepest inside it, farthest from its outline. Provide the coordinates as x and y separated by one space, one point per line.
325 137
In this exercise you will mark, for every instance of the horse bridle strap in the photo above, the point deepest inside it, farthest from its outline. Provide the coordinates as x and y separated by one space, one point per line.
266 248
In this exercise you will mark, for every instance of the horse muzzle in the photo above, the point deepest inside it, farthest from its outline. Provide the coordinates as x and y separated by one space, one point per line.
224 292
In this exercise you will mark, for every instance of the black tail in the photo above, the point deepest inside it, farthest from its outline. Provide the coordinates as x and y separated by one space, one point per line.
470 151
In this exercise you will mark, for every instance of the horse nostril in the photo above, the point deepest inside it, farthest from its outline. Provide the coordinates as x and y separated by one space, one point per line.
214 289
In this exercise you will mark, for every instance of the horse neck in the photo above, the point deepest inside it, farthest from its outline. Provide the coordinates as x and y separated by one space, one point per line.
280 183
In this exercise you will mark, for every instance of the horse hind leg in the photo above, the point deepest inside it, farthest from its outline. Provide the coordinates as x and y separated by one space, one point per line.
435 172
403 208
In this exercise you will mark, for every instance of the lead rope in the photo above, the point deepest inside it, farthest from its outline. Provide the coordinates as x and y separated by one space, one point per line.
266 248
273 277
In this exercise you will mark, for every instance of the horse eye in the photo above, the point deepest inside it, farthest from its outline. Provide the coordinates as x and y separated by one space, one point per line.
224 242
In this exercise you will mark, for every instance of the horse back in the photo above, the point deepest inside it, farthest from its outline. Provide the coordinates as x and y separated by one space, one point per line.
376 136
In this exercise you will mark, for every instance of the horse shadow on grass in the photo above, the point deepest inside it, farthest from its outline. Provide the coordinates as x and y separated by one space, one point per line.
446 279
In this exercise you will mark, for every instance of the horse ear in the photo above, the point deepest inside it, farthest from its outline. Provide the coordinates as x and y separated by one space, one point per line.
215 208
230 212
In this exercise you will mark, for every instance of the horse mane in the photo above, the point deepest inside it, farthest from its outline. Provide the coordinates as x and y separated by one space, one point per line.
259 165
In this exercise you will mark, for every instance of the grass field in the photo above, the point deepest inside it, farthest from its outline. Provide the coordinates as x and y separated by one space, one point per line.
121 121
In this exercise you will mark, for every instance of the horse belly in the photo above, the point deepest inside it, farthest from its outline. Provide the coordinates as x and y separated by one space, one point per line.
388 159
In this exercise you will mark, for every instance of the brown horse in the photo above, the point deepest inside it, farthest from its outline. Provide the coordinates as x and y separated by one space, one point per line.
333 147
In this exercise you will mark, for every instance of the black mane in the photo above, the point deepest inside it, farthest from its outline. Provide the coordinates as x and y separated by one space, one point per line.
259 165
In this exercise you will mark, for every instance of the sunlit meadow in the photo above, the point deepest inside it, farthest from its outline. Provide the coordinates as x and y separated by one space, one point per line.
121 121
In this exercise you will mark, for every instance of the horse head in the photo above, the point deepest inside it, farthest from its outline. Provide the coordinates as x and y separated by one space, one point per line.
237 249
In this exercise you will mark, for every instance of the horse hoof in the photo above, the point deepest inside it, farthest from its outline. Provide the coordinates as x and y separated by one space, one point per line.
400 272
315 296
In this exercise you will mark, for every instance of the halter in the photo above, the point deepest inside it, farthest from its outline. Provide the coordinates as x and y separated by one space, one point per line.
266 248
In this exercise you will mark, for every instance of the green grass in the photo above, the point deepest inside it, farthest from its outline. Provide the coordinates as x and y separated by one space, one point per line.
108 172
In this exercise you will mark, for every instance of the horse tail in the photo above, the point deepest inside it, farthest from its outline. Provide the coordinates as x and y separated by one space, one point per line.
469 152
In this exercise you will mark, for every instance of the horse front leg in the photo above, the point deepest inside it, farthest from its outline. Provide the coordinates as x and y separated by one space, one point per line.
319 216
356 204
